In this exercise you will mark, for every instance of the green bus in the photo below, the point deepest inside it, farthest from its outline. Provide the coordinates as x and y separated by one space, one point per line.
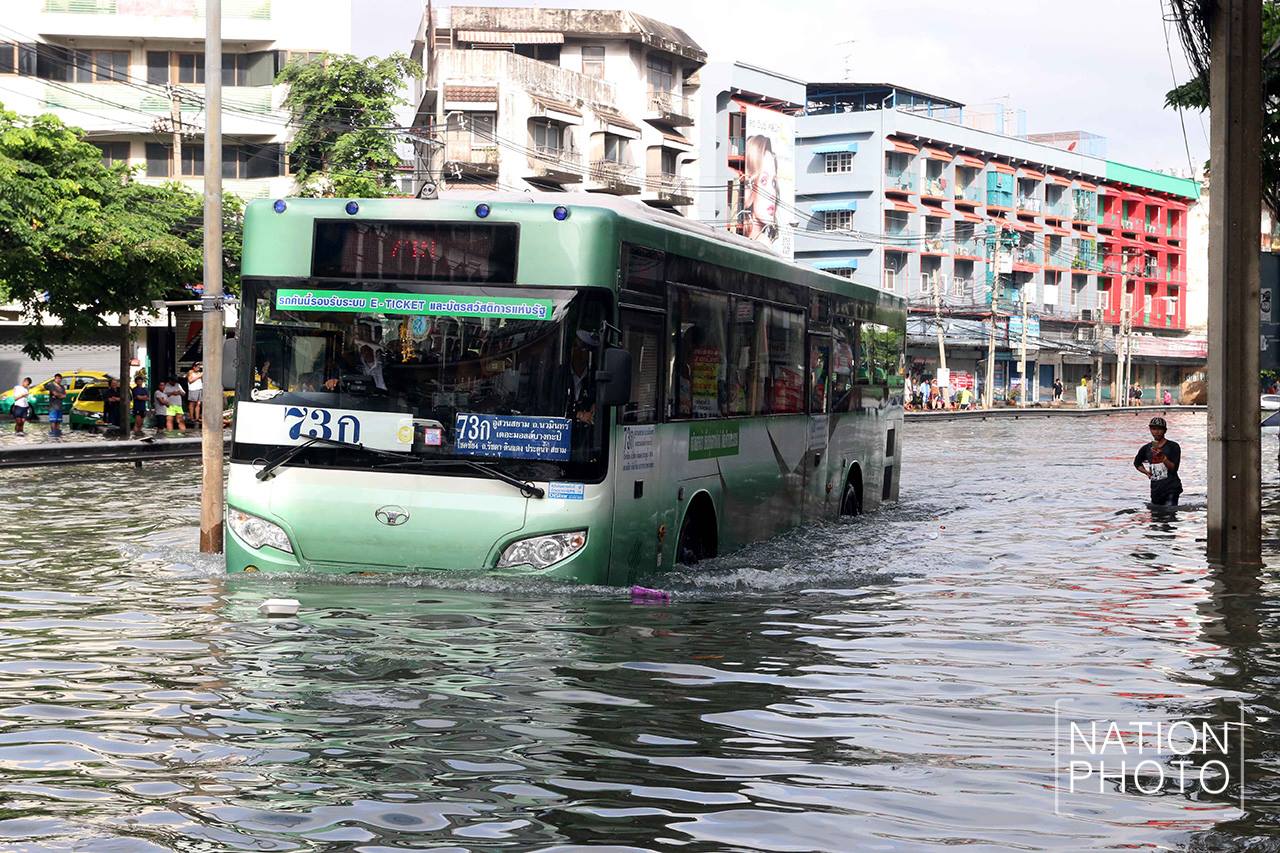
565 385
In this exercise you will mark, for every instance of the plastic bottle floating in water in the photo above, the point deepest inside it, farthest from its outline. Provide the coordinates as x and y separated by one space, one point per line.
644 593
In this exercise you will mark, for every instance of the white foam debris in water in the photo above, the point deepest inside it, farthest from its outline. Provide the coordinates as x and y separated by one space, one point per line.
279 607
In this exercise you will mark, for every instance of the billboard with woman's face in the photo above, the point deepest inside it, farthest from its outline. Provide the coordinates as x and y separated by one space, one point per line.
768 212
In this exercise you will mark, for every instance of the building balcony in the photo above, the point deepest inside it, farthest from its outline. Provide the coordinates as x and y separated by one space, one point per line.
1059 260
935 245
1086 263
1028 256
669 190
933 188
973 247
610 176
1129 224
470 154
1084 213
970 196
1030 205
555 165
1059 209
737 146
669 108
259 10
899 182
474 67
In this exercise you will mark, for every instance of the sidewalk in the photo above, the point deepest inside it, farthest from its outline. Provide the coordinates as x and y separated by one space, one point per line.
1049 412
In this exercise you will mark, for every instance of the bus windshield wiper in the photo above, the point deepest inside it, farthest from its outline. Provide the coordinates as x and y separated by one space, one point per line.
529 490
268 470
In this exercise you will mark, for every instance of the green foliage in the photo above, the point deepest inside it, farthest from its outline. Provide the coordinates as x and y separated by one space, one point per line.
79 239
1194 94
343 109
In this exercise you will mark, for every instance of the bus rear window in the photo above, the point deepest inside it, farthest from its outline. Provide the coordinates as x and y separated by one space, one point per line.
415 251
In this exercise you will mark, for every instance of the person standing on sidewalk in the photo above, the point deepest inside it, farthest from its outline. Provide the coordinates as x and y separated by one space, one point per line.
1057 391
173 404
140 400
57 393
21 405
195 389
111 406
1159 460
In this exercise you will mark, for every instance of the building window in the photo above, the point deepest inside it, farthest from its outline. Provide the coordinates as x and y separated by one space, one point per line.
114 152
841 161
661 77
100 66
158 160
235 69
593 61
244 161
837 220
615 148
843 272
190 68
548 137
158 67
549 53
8 57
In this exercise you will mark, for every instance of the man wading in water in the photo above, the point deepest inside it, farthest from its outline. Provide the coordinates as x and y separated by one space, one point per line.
1159 460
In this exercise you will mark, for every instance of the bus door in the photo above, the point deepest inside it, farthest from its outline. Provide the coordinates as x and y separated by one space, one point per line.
637 470
815 460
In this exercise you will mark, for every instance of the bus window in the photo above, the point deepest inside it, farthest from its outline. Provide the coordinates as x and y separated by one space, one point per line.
883 348
642 337
843 363
784 379
819 372
701 319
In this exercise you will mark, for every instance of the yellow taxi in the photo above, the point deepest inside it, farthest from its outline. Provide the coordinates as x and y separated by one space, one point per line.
74 381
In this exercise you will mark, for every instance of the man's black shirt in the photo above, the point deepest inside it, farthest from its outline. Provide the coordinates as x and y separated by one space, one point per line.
1166 484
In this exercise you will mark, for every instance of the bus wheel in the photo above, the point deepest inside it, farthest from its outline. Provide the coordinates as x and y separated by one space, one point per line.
851 502
698 534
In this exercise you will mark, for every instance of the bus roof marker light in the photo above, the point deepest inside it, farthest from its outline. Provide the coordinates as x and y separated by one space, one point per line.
279 206
353 208
482 210
561 213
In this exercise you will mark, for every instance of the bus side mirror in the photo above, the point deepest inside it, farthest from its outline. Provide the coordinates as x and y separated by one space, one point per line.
613 379
229 364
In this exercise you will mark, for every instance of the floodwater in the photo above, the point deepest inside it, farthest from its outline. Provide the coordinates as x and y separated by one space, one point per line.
886 684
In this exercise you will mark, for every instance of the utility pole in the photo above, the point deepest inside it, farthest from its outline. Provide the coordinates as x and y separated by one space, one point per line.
1235 144
175 119
1099 329
211 496
1022 358
937 315
1121 396
988 394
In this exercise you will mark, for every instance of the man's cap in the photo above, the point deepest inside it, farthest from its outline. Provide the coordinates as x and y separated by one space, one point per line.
1158 423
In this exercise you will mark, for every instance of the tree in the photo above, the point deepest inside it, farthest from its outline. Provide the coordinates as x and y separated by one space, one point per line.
344 111
1192 20
81 240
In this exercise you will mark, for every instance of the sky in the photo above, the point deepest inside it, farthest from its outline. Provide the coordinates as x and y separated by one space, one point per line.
1101 66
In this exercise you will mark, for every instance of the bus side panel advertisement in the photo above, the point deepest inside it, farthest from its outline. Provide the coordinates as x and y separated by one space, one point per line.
713 439
268 423
513 437
432 305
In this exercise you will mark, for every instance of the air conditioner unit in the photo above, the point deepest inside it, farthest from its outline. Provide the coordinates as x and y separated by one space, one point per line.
1086 314
1085 333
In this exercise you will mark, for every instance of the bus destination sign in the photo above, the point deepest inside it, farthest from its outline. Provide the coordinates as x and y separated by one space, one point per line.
415 251
512 436
421 305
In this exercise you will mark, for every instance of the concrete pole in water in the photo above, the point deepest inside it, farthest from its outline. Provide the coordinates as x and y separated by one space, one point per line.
1235 144
211 496
1022 356
989 392
937 316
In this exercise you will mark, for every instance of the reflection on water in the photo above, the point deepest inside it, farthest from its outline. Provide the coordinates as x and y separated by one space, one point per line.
884 684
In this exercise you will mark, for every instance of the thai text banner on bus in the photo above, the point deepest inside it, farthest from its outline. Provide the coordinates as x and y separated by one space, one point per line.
363 302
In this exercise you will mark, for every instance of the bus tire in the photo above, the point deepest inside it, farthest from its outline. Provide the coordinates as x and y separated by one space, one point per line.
851 498
698 538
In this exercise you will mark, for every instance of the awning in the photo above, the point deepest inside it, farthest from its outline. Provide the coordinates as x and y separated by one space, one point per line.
970 161
837 148
1059 180
1085 185
903 147
618 124
470 95
930 210
558 110
827 206
1024 172
970 217
836 264
675 140
512 37
901 205
1001 168
938 154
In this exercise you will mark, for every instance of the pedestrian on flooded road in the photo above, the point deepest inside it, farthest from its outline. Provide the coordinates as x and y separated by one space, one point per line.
1159 460
111 406
140 400
21 405
57 393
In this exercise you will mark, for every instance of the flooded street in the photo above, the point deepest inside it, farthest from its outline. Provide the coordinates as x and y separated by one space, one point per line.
887 684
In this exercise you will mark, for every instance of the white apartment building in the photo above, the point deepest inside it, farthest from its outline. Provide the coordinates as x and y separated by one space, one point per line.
558 99
116 68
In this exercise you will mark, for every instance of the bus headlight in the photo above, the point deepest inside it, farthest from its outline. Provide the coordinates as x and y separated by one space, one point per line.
542 551
256 532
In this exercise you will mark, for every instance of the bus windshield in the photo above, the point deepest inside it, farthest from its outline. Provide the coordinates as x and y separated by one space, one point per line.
498 374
